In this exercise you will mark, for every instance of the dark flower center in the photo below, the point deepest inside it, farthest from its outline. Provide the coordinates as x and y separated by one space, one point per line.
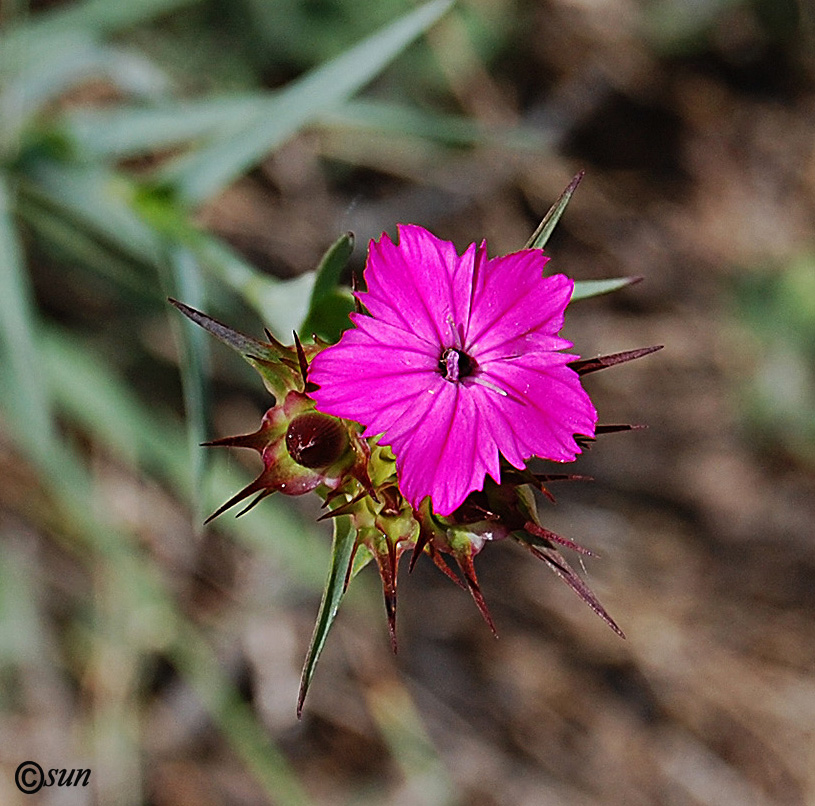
456 365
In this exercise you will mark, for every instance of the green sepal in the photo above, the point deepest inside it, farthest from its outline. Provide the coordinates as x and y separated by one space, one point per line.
273 362
526 503
547 226
361 559
342 553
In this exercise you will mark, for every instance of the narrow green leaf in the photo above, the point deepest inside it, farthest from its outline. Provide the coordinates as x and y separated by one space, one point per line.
104 17
583 289
38 35
329 306
329 318
547 226
29 403
27 45
331 266
341 555
403 120
203 173
129 131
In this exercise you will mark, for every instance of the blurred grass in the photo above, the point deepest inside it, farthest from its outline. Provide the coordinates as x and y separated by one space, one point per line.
62 179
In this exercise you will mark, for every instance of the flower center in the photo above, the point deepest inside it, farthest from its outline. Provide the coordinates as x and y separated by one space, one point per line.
455 365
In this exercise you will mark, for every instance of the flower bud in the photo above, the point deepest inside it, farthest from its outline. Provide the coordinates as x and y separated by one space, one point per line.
316 440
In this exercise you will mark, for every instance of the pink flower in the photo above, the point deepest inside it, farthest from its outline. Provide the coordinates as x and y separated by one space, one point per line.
458 362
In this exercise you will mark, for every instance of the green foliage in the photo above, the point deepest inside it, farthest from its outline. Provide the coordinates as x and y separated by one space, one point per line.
342 553
207 170
330 305
685 26
777 310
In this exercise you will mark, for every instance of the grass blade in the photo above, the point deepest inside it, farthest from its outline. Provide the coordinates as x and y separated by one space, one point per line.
187 283
124 132
37 37
29 404
203 173
131 131
407 121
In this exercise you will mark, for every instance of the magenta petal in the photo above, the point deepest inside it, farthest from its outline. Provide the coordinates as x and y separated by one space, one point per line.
420 284
543 410
458 363
516 308
440 458
370 381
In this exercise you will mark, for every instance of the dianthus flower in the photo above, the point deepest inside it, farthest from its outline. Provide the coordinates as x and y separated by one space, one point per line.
457 363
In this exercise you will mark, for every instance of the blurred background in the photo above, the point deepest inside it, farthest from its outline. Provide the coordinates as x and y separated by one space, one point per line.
212 151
